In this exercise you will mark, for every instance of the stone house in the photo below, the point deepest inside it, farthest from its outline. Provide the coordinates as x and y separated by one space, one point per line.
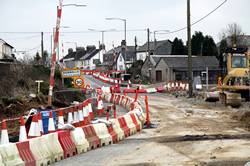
175 68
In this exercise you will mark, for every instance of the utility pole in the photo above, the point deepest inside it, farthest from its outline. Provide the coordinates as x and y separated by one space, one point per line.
135 48
190 73
148 32
42 51
100 49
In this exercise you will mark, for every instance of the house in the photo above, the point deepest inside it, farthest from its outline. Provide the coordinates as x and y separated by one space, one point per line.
81 58
163 47
118 58
72 59
91 59
175 68
6 51
148 67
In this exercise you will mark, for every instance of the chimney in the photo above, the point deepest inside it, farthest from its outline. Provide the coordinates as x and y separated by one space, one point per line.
90 48
70 50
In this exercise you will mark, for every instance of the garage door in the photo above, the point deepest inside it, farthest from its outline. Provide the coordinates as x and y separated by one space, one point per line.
158 75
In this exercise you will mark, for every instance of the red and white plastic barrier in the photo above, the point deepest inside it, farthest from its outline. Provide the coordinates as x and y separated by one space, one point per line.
61 144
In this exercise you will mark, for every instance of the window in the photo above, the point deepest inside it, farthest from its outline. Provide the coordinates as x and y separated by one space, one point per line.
239 61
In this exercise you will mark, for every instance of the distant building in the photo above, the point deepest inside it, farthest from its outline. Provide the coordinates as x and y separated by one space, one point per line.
81 58
175 67
91 59
118 58
6 51
163 47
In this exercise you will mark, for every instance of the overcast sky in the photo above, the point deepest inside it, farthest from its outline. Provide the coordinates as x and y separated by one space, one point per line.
40 15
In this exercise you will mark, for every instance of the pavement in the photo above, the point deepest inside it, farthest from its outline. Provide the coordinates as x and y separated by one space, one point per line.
189 132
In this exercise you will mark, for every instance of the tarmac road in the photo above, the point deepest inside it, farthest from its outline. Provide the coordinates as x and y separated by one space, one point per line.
190 132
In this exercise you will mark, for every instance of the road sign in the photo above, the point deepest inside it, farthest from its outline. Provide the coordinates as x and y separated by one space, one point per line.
71 73
78 82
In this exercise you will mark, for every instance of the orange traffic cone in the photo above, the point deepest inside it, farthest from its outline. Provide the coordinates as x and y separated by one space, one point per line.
70 116
34 128
4 133
51 125
22 132
40 122
60 120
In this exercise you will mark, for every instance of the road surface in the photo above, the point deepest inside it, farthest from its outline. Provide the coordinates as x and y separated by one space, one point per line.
190 132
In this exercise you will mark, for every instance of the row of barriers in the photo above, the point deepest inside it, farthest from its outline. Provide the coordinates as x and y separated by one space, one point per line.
171 86
176 86
77 136
104 78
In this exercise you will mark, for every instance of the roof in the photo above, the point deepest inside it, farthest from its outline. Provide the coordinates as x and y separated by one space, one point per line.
130 53
154 59
6 43
198 62
144 47
81 54
119 49
90 54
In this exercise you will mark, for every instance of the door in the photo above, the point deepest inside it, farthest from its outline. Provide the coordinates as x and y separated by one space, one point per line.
158 75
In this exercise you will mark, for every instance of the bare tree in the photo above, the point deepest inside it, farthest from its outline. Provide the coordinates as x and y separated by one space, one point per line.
233 35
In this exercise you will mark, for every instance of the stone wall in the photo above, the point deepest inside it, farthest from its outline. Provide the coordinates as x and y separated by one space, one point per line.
12 78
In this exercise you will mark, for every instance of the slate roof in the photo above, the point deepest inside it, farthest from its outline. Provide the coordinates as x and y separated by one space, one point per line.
90 54
76 55
81 54
130 53
198 62
144 47
154 59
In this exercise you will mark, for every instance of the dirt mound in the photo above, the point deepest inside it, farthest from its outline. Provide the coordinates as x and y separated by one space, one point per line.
244 117
17 106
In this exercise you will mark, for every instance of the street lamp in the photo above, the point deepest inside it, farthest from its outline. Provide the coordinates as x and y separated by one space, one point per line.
125 34
72 4
155 37
102 31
